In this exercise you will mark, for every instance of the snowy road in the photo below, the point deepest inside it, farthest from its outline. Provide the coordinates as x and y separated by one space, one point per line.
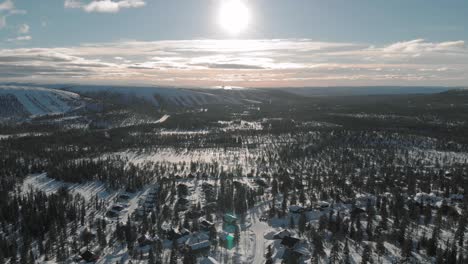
259 229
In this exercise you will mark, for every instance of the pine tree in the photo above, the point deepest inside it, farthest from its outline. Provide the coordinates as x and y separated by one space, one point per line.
151 259
318 242
380 247
189 257
406 249
302 223
237 235
460 233
268 255
174 250
334 253
346 257
366 255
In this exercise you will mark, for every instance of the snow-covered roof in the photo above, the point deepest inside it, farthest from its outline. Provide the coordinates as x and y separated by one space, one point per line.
203 244
456 196
295 208
197 238
302 249
281 234
209 260
430 198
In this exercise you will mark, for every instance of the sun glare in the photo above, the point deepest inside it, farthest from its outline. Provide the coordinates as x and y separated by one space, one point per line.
234 16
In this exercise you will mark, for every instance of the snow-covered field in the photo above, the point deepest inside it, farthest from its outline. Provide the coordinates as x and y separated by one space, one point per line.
20 135
40 182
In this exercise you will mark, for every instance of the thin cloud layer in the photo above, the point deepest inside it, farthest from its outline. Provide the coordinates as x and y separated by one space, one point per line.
289 62
7 8
104 6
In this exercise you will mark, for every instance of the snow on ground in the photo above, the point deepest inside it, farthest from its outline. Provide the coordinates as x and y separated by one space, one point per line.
41 182
240 125
183 132
228 158
433 157
23 135
139 120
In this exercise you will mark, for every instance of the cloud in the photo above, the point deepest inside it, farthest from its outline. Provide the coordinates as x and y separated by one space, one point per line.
7 5
104 6
280 62
20 38
73 4
418 46
7 8
23 29
229 66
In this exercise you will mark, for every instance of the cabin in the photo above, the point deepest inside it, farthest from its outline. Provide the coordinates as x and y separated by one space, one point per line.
145 240
294 249
193 214
124 197
197 247
89 256
230 219
112 214
173 234
296 209
289 242
322 205
261 182
357 211
198 242
208 260
227 239
282 234
117 208
205 224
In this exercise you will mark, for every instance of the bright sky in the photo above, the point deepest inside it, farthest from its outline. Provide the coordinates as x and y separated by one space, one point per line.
258 43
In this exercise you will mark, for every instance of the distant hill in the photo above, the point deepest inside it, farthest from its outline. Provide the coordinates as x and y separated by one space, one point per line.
186 97
367 90
26 101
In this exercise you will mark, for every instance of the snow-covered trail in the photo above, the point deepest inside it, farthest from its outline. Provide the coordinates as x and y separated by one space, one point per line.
259 229
162 119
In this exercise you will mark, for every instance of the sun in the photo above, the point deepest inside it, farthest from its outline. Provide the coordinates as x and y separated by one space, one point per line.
234 16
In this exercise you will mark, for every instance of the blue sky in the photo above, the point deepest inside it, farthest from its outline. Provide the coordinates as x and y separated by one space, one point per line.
367 42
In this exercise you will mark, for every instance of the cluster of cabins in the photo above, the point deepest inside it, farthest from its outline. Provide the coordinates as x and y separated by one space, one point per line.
290 247
148 202
197 242
118 208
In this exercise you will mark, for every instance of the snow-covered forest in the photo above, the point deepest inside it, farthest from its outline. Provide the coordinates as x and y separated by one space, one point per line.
287 180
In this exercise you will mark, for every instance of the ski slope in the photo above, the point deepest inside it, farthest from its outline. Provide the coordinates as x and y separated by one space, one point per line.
36 101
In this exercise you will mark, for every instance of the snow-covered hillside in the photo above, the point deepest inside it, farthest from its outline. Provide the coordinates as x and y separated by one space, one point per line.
155 95
21 101
184 97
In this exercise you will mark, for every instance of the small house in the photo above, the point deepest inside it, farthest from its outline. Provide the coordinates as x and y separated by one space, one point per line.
89 256
145 240
296 209
282 234
289 242
205 224
357 211
230 219
209 260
